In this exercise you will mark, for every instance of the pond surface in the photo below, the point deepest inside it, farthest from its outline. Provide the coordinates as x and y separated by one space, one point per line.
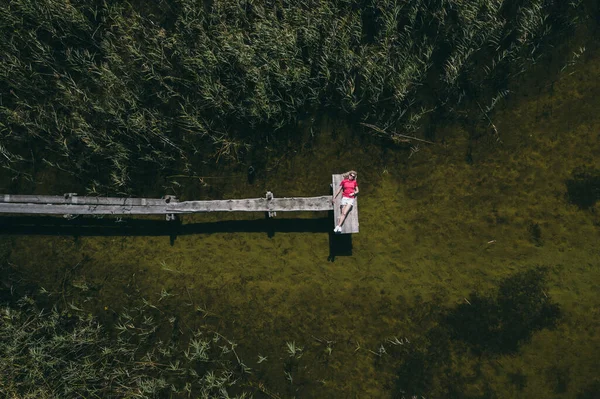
422 304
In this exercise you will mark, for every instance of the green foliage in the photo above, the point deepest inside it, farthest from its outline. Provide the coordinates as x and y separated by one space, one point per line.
52 354
110 91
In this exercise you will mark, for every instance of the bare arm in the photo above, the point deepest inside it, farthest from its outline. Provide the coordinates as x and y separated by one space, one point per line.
355 190
338 193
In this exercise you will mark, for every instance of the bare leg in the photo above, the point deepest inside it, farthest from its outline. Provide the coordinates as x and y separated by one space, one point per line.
345 210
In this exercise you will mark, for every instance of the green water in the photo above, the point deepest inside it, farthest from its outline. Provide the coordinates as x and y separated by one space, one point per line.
437 224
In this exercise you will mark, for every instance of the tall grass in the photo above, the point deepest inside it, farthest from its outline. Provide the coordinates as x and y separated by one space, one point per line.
60 354
111 91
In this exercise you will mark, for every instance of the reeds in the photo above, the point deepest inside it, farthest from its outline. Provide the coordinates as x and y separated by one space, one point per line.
48 354
110 92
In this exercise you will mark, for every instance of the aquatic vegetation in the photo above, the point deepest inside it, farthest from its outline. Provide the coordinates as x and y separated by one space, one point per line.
293 350
329 349
168 268
438 250
82 285
50 353
395 341
164 294
115 93
261 359
289 377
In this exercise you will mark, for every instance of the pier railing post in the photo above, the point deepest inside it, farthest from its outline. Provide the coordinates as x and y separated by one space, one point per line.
269 197
168 199
71 196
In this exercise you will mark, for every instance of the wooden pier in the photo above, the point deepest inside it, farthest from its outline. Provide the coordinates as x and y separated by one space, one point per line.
75 205
72 204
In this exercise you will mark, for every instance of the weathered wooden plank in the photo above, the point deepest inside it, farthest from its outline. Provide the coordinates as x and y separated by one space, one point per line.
73 209
351 223
83 200
322 203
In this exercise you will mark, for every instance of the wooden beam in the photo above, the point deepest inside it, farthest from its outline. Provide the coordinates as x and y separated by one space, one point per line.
351 223
291 204
75 199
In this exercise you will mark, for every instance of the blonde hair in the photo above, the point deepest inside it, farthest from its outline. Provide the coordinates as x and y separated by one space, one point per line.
347 174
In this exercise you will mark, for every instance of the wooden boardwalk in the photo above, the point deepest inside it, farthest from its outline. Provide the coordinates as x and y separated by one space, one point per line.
75 205
351 224
72 204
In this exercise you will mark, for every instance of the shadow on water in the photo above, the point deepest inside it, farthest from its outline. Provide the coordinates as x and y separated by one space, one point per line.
339 244
583 189
487 325
500 323
42 225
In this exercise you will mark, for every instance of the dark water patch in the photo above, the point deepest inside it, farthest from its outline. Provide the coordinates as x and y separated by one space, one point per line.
583 189
469 155
535 234
370 27
518 379
13 284
421 365
591 392
501 323
558 378
448 359
415 374
251 174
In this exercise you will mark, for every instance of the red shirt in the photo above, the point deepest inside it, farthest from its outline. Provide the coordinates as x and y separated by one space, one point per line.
348 186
